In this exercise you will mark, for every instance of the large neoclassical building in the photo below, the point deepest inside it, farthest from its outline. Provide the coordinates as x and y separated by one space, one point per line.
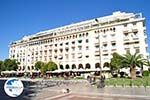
86 45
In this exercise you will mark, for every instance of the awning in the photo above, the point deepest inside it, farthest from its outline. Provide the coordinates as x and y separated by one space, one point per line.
20 71
9 72
105 69
35 71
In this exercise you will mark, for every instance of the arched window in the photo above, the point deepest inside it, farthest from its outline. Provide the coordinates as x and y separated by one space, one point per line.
79 35
87 66
73 66
83 34
97 65
114 29
104 31
32 67
61 67
73 36
110 29
19 68
28 67
76 36
70 36
80 66
23 68
87 34
67 66
106 64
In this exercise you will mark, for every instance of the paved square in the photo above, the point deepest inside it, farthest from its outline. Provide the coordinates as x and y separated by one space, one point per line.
93 97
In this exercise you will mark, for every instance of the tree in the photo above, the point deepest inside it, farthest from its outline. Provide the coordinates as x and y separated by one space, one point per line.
38 65
1 66
43 69
116 62
132 61
51 66
147 63
10 64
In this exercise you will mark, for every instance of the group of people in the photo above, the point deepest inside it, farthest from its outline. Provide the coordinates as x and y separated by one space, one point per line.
100 83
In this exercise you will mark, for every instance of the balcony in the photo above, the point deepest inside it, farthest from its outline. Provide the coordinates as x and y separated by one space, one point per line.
135 38
134 30
125 31
79 55
105 48
136 45
60 57
126 39
73 45
96 44
97 52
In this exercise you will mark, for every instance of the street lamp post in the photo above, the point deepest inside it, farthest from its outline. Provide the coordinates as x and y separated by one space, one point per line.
99 42
102 78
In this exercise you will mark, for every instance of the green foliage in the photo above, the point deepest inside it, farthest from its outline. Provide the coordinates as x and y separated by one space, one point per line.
38 65
10 64
147 63
145 81
146 73
131 83
132 61
1 66
51 66
138 82
116 61
43 67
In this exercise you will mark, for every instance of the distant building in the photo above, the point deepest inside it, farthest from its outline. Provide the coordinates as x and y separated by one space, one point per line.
87 45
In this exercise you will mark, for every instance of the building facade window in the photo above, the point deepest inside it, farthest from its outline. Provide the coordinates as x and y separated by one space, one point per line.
87 40
87 47
113 44
127 50
137 50
79 41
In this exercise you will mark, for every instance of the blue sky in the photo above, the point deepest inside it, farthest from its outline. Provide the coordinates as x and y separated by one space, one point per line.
24 17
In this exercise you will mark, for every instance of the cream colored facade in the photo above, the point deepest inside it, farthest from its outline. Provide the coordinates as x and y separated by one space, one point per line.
85 44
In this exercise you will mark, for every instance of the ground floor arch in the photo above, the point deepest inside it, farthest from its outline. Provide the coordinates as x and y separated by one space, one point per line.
61 67
67 66
106 64
73 66
97 65
87 66
80 66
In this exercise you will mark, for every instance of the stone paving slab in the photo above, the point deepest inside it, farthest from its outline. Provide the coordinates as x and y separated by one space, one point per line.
73 96
84 91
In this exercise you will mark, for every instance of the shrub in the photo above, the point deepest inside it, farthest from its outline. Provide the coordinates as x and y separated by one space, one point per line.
146 73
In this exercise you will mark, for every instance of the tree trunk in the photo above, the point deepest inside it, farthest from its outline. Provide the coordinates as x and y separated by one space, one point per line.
133 72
